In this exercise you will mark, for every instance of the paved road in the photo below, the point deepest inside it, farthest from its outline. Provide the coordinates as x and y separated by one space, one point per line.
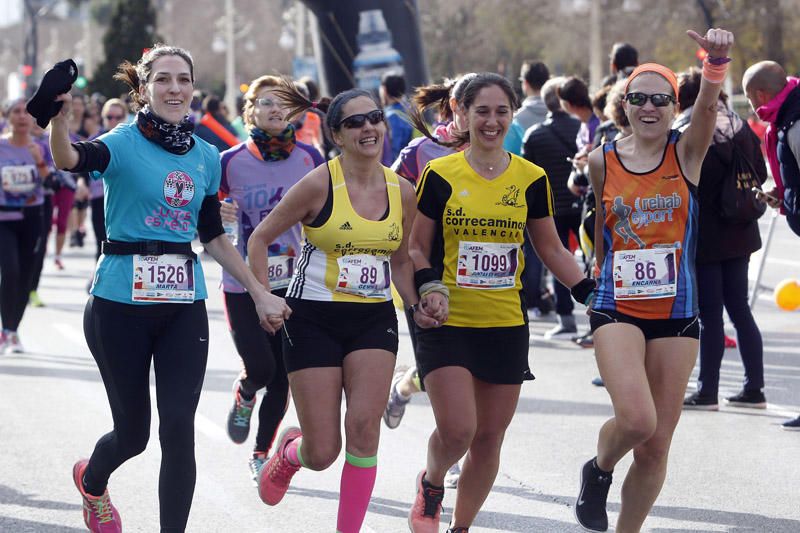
734 470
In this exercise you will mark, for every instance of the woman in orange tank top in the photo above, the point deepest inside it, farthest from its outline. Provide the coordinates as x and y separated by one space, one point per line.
644 313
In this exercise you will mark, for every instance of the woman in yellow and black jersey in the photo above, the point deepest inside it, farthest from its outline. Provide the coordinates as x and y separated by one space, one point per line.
342 334
481 201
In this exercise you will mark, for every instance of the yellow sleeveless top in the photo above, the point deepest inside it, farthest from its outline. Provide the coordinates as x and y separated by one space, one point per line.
346 259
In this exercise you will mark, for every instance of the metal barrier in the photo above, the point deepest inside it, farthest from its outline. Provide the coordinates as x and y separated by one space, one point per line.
757 286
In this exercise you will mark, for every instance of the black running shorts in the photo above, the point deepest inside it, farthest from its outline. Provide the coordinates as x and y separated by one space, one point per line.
651 328
321 334
493 355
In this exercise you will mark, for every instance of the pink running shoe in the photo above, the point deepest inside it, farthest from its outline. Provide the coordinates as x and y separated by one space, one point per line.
424 514
273 482
99 513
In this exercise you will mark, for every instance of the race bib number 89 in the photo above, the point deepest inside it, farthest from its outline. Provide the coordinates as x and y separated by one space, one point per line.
365 275
165 278
487 265
645 274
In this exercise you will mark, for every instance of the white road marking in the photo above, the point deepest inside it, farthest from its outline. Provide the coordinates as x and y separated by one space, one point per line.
71 333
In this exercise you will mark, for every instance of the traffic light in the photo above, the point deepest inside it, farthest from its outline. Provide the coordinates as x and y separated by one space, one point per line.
81 82
27 70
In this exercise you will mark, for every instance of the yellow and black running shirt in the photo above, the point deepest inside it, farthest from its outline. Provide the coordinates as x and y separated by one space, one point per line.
346 259
482 223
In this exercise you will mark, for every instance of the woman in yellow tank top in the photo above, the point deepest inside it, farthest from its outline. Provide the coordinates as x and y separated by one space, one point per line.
342 333
644 315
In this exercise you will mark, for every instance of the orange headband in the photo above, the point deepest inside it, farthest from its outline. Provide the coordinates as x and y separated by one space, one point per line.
663 71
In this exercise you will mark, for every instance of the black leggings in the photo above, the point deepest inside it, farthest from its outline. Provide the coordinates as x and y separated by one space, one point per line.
262 356
41 249
124 338
18 240
98 224
725 284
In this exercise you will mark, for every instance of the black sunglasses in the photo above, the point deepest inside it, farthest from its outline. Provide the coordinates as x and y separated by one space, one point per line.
357 121
658 99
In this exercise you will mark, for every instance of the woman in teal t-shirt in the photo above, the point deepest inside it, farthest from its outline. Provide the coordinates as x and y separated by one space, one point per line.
147 303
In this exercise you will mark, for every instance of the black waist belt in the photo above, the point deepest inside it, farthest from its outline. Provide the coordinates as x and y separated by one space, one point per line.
148 248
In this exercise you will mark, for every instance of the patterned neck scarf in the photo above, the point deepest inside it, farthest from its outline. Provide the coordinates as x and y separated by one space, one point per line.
274 147
174 138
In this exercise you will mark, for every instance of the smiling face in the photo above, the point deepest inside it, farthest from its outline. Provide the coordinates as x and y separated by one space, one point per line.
366 141
489 118
269 113
168 91
648 121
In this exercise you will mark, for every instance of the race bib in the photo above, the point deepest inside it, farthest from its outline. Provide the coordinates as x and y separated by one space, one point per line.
365 275
167 278
280 269
487 265
644 274
19 179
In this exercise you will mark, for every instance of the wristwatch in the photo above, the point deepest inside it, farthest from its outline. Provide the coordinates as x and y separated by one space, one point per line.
413 308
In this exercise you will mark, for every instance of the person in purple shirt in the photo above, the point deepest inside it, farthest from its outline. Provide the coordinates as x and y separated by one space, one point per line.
255 176
21 197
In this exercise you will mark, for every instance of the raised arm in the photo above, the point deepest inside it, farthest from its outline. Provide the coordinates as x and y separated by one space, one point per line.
694 142
65 156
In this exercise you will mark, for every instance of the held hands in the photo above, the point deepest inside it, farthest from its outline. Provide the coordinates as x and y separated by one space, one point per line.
432 311
228 211
272 311
717 42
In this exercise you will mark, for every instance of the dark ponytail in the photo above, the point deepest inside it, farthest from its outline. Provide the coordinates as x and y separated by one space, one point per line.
297 102
438 95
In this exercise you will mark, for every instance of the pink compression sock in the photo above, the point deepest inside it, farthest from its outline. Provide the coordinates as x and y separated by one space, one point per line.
292 452
358 479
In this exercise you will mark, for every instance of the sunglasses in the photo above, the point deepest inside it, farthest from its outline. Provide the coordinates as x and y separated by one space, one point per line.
266 102
357 121
114 117
658 99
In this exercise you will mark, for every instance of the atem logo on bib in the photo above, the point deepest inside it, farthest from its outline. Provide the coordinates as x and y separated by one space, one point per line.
178 189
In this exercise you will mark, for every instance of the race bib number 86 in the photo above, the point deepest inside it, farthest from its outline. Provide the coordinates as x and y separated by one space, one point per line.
643 274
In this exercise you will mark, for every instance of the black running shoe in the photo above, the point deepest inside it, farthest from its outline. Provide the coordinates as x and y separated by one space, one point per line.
590 508
792 425
753 399
698 402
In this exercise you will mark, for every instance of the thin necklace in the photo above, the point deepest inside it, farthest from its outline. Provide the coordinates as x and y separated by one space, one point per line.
490 167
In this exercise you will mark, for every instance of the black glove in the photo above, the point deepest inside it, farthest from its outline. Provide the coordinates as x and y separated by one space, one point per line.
57 80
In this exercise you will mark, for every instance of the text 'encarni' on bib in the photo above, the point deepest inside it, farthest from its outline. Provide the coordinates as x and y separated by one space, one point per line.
19 179
487 265
643 274
365 275
280 269
167 278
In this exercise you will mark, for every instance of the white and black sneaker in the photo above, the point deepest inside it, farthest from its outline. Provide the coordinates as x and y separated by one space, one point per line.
590 507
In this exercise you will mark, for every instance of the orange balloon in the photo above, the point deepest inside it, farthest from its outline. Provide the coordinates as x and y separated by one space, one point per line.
787 294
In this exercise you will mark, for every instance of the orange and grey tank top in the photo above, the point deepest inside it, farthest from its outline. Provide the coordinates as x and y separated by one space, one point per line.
649 239
346 258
